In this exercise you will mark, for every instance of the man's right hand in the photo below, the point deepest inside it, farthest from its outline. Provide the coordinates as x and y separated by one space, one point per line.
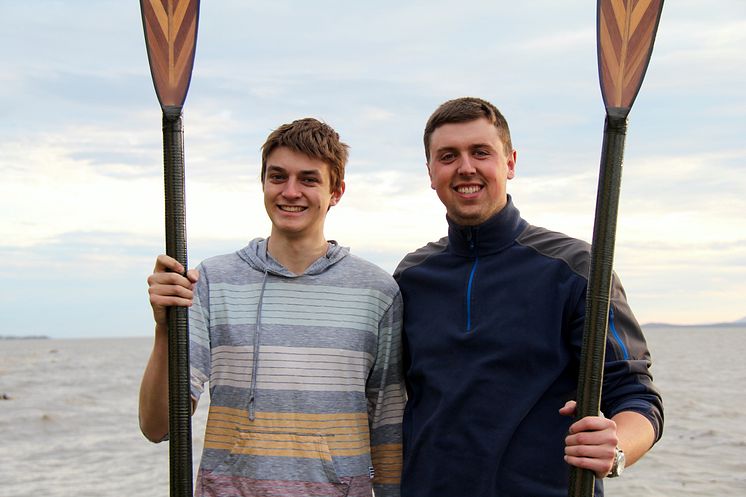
167 287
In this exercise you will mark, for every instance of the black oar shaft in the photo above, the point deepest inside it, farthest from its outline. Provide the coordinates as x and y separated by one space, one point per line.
179 399
593 353
173 175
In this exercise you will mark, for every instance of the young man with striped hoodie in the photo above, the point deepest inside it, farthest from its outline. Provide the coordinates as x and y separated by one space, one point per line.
298 339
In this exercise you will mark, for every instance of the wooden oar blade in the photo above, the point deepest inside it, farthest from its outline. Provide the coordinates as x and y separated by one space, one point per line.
171 37
626 32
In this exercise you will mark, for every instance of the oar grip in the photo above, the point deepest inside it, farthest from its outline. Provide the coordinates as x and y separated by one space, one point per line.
179 399
590 379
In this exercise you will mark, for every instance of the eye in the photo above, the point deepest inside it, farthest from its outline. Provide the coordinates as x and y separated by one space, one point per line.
480 152
447 157
276 177
311 180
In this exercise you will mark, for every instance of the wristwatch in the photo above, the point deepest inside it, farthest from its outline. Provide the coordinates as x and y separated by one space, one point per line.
618 466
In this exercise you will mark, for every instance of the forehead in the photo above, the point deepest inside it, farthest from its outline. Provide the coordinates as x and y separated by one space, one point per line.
290 161
464 135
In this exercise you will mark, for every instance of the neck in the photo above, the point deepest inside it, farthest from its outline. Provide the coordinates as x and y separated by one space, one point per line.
296 254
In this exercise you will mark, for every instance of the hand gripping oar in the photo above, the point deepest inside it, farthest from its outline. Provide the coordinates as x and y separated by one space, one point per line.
171 36
625 35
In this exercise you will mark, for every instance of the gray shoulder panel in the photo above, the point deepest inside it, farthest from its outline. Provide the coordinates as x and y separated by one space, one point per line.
420 255
574 252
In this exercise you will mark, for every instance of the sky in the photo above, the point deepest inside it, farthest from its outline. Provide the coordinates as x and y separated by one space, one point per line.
81 169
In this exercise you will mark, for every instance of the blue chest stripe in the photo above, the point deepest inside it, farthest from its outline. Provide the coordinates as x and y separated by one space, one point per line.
468 294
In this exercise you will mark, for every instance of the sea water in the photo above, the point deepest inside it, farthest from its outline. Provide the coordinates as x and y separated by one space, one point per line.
68 419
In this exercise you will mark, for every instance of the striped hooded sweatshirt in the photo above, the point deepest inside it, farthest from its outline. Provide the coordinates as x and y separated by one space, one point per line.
304 372
493 325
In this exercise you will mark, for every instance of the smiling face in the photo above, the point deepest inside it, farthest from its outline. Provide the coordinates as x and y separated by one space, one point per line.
298 194
469 170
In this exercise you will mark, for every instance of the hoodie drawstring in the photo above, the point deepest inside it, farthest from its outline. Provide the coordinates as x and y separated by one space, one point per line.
257 333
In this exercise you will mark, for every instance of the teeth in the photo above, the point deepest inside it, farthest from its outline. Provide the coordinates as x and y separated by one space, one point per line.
291 208
468 189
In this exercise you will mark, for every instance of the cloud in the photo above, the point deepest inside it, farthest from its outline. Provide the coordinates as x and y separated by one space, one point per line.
49 189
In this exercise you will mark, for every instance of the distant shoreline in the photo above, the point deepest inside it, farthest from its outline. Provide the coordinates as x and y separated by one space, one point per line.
736 324
22 337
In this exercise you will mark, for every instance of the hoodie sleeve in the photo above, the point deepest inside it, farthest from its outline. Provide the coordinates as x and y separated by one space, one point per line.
386 397
199 336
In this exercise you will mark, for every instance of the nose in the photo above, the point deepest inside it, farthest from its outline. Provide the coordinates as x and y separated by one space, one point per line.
466 168
291 190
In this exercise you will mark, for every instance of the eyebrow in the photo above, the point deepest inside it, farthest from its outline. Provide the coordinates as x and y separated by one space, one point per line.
471 146
481 145
302 172
444 149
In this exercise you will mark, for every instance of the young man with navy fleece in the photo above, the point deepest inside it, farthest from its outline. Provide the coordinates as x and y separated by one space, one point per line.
493 324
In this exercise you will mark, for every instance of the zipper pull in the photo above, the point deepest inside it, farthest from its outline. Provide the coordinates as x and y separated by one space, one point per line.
470 237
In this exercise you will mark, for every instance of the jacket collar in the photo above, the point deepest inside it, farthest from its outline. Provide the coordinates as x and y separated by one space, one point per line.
494 235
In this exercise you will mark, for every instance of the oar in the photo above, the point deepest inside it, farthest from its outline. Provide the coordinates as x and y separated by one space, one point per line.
171 36
625 35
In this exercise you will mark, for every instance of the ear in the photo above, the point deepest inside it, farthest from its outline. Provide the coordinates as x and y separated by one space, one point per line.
337 195
511 160
430 175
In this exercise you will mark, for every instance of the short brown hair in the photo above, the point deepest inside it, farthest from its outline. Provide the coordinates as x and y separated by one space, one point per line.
465 109
313 138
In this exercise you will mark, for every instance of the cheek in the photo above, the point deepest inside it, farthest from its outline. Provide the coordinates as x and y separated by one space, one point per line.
438 181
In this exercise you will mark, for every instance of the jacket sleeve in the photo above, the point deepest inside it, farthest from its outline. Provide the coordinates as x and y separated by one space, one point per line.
628 382
386 397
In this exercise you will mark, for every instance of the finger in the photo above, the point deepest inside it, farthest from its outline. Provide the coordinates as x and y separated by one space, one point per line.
166 263
193 275
598 459
602 451
599 437
569 408
162 301
170 299
171 290
169 278
592 423
600 467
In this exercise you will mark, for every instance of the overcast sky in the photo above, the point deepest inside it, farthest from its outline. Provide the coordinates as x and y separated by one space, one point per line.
81 182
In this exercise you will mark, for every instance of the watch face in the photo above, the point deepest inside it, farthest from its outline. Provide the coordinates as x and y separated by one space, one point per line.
618 466
619 461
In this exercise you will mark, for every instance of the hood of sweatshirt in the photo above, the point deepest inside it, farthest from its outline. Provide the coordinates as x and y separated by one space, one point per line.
255 254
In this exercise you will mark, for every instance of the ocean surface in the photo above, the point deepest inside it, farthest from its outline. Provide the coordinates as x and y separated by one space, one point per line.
68 419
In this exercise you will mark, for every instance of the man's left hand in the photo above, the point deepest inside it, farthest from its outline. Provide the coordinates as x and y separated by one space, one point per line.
591 442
